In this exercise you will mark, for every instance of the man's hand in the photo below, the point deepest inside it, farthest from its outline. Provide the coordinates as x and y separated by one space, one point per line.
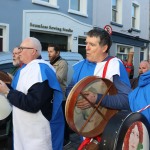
88 99
3 88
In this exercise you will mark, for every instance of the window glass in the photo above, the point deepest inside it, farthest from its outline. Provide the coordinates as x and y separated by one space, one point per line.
114 4
122 52
142 54
1 44
4 36
117 11
49 3
122 49
133 10
135 16
45 0
46 39
81 47
114 10
1 32
82 51
1 40
81 41
75 4
114 16
78 7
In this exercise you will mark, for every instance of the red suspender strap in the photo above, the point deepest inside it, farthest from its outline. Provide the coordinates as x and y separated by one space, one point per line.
105 67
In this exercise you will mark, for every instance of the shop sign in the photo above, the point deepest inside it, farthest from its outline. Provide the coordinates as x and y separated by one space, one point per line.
50 27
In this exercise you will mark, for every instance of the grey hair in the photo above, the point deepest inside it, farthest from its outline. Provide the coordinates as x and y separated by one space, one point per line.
37 44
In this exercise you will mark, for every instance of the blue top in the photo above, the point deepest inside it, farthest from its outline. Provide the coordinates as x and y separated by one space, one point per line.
121 82
140 96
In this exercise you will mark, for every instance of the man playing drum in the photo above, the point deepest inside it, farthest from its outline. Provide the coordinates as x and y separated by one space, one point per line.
98 42
99 63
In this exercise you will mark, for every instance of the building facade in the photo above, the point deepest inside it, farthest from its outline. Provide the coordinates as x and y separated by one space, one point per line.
66 23
129 22
51 21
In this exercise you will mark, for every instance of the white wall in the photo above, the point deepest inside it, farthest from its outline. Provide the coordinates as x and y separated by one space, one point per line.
58 20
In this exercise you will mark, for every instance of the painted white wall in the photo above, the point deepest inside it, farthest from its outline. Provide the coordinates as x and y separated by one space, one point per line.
55 19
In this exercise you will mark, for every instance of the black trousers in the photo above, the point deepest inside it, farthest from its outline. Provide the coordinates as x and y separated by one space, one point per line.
68 130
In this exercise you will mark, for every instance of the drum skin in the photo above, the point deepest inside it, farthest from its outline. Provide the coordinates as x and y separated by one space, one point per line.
5 107
115 131
90 122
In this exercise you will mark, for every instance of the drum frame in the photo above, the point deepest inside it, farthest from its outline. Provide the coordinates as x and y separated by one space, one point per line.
71 102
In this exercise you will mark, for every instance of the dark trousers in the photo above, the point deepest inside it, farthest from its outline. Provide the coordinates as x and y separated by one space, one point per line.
68 130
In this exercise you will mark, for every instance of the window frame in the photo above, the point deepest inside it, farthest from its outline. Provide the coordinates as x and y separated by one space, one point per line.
82 45
143 53
124 54
118 12
5 36
114 13
135 20
50 3
82 7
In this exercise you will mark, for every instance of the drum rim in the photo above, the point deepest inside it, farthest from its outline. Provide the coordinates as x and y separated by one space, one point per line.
9 117
5 77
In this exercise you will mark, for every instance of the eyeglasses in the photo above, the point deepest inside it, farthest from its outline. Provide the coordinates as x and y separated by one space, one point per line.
22 48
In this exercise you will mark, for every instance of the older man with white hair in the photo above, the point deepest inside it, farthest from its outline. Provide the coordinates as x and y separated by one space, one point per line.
35 89
16 62
16 59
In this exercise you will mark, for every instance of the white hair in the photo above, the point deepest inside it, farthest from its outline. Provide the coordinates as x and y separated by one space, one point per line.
37 44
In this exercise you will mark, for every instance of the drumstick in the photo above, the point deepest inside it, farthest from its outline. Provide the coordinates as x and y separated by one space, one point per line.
84 96
95 108
7 82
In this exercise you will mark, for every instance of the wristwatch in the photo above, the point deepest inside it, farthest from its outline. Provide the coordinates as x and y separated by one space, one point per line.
5 94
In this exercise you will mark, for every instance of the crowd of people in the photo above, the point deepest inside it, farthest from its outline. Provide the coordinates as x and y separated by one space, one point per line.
39 89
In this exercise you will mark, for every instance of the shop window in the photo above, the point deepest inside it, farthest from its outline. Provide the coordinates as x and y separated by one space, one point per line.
49 3
122 52
78 7
142 55
46 38
117 11
135 16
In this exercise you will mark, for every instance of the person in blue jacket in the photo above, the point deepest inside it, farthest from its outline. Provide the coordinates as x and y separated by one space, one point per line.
139 98
98 43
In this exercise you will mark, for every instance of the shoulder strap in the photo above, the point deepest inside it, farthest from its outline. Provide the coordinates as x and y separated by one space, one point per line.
105 67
